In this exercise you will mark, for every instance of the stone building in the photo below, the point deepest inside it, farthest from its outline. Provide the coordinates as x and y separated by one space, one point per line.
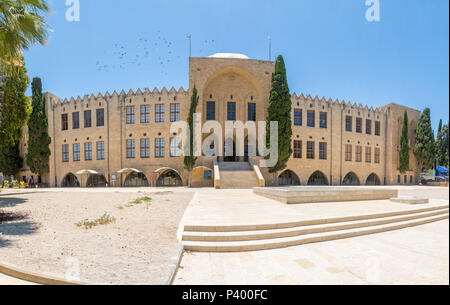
124 139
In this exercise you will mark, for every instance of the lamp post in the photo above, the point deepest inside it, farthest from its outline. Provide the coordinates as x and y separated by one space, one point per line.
188 36
270 47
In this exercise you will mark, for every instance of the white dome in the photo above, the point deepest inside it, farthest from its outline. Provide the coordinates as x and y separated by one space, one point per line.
229 55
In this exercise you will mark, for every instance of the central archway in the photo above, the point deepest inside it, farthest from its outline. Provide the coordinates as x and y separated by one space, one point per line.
136 179
288 177
351 179
70 180
318 178
169 178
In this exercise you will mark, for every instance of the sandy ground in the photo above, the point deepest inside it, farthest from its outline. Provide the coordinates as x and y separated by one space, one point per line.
138 248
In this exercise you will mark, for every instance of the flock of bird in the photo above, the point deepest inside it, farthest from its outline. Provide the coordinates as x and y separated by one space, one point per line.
159 51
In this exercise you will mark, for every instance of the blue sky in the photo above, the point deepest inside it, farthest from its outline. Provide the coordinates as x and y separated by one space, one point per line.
329 47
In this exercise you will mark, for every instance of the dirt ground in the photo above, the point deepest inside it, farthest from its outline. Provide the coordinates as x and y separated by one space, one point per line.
137 248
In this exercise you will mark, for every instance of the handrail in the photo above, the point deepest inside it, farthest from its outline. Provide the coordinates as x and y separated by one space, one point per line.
257 171
216 174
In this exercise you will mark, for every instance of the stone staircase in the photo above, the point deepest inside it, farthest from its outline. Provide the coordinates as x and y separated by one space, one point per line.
239 238
237 175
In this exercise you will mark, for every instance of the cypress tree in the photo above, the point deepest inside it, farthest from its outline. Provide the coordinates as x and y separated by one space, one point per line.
424 148
279 110
445 146
14 106
38 140
404 146
189 161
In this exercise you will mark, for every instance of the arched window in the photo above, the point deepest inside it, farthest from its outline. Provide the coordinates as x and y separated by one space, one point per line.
288 177
70 180
169 178
136 179
318 178
373 180
96 181
351 179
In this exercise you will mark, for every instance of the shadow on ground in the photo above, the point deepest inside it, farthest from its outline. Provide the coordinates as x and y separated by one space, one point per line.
8 202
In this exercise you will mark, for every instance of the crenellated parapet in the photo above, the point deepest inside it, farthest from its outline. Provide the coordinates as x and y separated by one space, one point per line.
302 100
55 101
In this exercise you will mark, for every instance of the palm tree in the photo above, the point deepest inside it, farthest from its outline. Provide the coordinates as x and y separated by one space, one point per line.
21 25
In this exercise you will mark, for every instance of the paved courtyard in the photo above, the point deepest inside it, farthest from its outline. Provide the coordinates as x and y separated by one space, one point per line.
418 255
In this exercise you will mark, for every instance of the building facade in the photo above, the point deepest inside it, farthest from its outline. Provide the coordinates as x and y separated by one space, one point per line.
124 139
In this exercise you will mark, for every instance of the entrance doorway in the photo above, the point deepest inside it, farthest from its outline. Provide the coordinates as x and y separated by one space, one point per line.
230 145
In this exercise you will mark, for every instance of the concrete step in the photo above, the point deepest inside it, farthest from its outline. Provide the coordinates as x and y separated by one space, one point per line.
303 230
231 166
241 177
255 245
308 222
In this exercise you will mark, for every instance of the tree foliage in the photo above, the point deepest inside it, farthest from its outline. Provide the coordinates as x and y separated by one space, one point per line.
279 110
10 160
15 107
404 146
21 25
38 140
189 161
442 146
424 147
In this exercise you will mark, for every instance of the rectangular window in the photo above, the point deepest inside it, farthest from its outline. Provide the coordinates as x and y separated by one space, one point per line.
411 179
88 151
175 147
311 117
65 153
76 120
145 114
174 112
100 117
323 120
368 154
64 122
87 119
322 151
100 150
297 149
210 111
359 125
348 153
377 128
348 123
298 116
145 148
369 127
310 150
131 115
159 148
160 113
377 155
358 156
76 152
252 112
131 149
231 111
